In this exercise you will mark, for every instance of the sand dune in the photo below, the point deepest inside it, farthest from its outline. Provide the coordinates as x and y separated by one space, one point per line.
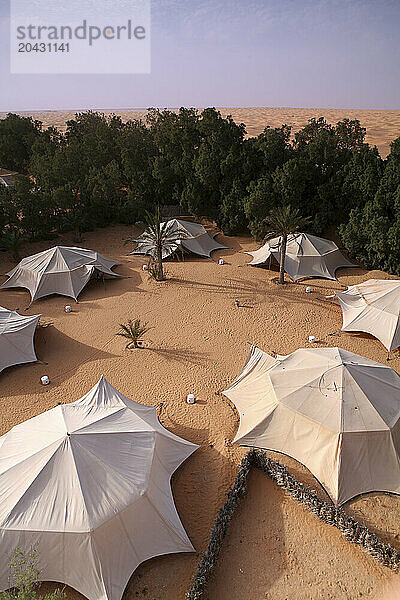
383 126
198 343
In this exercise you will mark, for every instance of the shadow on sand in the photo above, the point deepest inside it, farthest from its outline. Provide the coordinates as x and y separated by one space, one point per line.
254 545
199 487
252 292
62 355
96 289
183 356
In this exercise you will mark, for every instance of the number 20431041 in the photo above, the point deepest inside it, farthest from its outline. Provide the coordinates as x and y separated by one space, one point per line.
27 47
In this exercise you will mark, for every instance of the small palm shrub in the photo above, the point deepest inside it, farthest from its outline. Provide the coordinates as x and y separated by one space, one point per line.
132 331
24 579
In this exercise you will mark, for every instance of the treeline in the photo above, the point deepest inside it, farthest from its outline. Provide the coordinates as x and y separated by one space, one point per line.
104 171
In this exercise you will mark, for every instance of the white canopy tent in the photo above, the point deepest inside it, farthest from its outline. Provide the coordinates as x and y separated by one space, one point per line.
195 239
59 270
306 256
334 411
88 485
16 338
373 307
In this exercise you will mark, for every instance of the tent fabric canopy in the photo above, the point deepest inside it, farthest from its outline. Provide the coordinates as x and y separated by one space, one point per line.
334 411
306 256
195 239
373 307
59 270
16 338
88 485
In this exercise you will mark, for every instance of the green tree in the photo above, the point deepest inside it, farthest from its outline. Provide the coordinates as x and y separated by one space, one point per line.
11 240
220 145
24 579
176 137
361 177
260 200
17 137
104 190
231 217
372 232
350 134
36 214
97 138
138 152
274 147
285 221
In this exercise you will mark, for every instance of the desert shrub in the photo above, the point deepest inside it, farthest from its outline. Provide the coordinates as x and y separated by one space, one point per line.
24 579
352 530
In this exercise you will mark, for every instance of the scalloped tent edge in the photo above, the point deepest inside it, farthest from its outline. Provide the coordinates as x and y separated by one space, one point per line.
306 256
373 307
198 240
110 461
63 270
333 411
16 338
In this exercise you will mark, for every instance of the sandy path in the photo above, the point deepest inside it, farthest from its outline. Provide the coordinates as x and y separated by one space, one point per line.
198 343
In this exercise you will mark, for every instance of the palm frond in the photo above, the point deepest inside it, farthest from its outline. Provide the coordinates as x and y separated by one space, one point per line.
285 220
133 331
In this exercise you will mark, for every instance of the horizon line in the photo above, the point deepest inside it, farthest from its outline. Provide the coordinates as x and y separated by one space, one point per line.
172 108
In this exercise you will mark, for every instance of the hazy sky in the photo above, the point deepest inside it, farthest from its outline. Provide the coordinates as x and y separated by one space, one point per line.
291 53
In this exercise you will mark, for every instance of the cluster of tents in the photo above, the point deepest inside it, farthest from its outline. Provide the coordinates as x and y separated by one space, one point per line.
88 482
372 307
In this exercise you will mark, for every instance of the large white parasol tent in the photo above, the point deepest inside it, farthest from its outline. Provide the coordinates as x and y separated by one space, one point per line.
306 256
88 485
194 239
60 270
16 338
335 412
373 307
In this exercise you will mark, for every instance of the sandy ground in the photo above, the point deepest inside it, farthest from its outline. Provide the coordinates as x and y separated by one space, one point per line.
383 126
198 343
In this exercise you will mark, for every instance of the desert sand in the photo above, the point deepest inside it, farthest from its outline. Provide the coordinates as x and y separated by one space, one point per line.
383 126
198 343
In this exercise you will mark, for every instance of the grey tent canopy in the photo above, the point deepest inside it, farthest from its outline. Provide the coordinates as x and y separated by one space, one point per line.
16 338
335 412
306 256
195 239
87 484
373 307
60 270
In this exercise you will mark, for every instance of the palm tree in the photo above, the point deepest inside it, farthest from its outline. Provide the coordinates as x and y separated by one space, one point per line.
284 221
160 239
133 332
